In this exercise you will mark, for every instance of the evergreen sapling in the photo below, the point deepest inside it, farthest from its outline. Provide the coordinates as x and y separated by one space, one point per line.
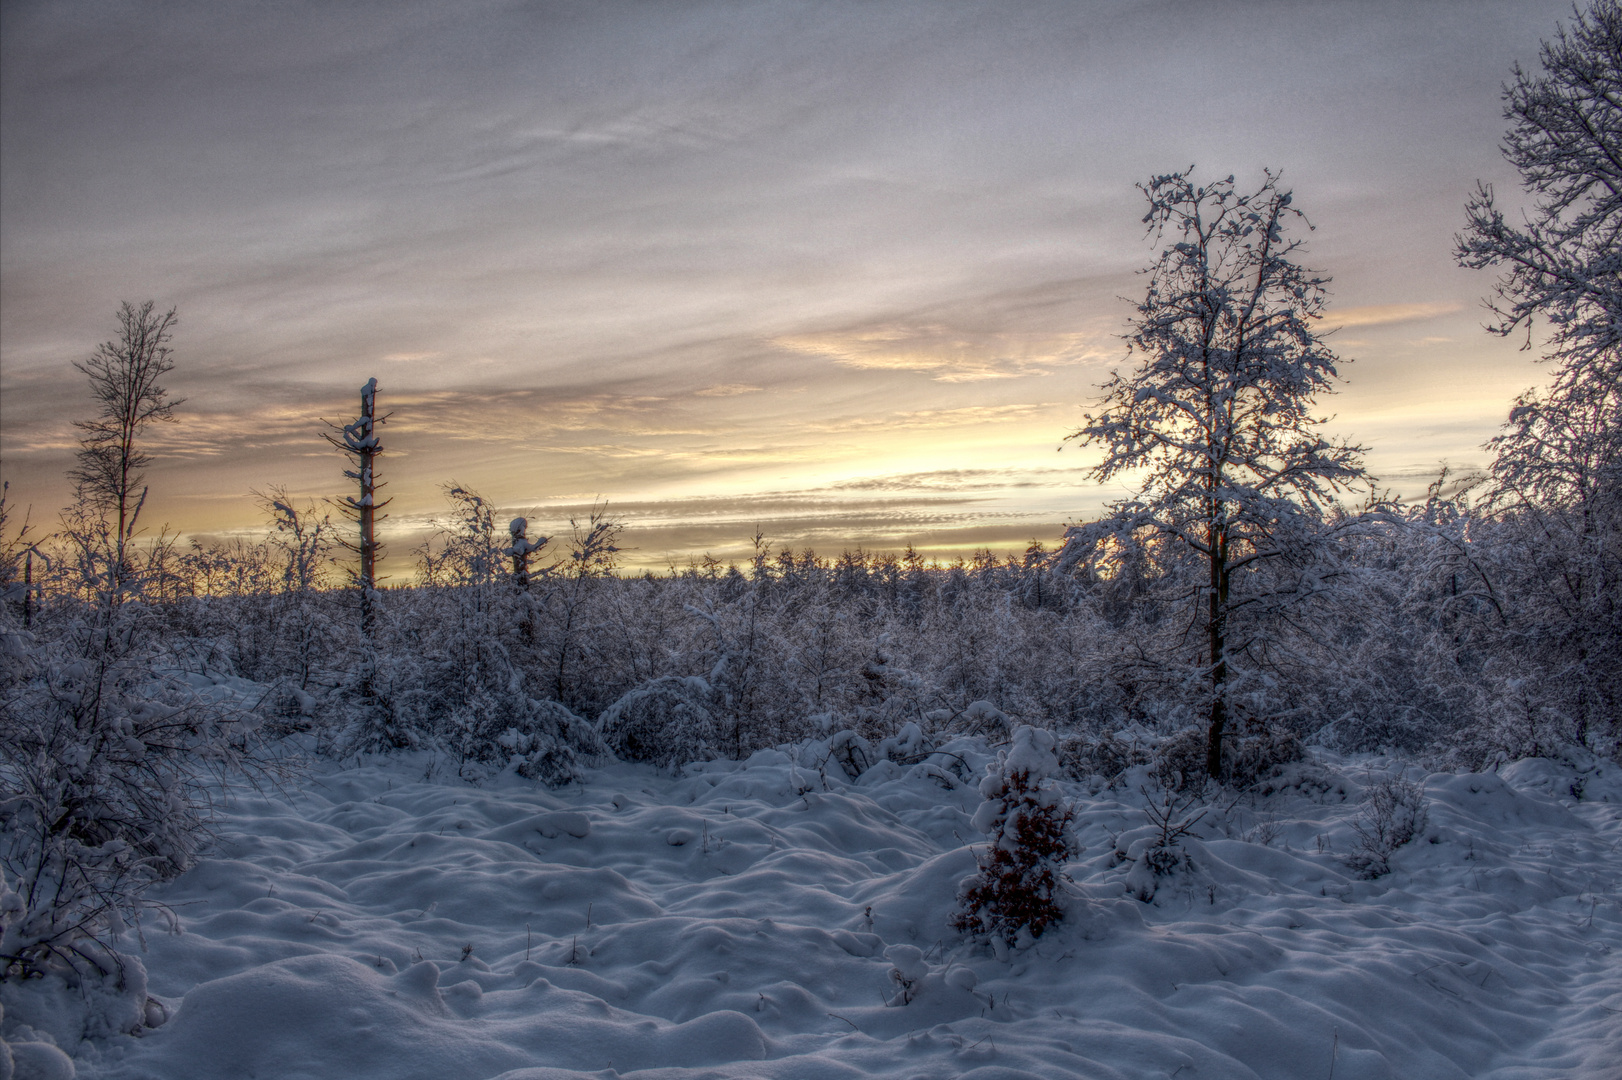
1015 896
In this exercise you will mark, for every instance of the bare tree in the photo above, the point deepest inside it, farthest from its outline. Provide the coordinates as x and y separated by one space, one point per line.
109 477
1216 417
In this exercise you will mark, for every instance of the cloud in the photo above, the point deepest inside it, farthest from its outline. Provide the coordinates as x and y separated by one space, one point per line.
945 353
1385 314
929 418
598 247
728 390
964 480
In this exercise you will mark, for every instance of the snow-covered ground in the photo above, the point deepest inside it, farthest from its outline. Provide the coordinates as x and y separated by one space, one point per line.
736 921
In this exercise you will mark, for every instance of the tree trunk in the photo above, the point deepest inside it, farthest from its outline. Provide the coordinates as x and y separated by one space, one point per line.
1216 617
367 509
521 550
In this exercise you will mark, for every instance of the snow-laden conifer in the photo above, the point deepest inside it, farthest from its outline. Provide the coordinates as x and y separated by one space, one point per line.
1016 894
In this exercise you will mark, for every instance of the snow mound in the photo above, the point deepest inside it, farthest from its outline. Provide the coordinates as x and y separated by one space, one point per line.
376 926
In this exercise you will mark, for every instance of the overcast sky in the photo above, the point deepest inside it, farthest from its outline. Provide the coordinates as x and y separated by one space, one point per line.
847 271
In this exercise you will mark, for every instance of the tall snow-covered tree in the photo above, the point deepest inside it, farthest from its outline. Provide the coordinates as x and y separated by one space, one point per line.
1215 424
1557 469
1564 262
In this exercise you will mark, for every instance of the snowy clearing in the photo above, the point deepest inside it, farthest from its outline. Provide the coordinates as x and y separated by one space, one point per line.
743 920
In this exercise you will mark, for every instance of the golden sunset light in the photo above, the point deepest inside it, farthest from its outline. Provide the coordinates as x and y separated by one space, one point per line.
714 269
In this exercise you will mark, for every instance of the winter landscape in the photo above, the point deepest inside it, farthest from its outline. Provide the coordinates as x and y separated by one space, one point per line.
1259 768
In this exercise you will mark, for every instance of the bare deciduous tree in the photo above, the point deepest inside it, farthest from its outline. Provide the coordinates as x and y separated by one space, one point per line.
109 477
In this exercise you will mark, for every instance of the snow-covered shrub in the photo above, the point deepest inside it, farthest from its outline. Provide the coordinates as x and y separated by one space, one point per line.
104 758
851 753
907 970
567 621
983 718
106 767
1108 756
666 721
1158 853
1517 717
913 976
380 705
473 728
479 714
1179 760
300 614
450 664
1257 751
1393 813
889 696
550 743
1016 894
907 746
1251 752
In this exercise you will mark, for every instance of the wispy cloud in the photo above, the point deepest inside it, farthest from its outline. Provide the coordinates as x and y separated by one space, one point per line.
930 418
1383 314
643 250
948 354
951 480
728 390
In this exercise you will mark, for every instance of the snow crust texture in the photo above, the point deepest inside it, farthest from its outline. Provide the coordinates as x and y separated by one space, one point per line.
775 919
